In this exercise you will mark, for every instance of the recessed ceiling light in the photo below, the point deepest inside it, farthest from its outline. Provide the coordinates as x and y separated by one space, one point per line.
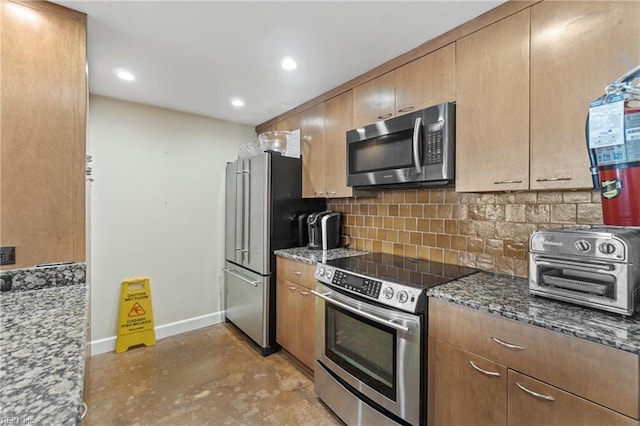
125 75
289 64
237 102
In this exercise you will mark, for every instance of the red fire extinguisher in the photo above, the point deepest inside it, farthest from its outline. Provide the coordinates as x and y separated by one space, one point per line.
613 138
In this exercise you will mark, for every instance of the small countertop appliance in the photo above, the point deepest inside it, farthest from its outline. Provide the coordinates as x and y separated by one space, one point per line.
324 230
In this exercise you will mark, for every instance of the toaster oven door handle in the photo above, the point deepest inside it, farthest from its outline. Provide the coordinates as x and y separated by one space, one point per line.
416 144
375 318
561 263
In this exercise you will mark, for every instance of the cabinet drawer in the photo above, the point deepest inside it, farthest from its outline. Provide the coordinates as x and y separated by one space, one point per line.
532 402
297 272
596 372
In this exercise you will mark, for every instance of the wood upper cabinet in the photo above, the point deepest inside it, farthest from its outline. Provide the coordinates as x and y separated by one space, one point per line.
337 121
42 158
492 111
295 309
577 48
427 81
374 100
312 150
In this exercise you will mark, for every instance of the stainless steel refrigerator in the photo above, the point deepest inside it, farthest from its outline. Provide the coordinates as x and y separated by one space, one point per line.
263 199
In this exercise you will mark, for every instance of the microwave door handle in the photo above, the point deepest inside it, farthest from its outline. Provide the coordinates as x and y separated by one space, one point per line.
416 144
374 318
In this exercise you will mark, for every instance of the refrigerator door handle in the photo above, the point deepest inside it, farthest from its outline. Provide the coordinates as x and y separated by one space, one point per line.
246 212
232 272
239 210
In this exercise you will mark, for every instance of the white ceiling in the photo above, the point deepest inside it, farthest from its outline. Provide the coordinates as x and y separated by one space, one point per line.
194 56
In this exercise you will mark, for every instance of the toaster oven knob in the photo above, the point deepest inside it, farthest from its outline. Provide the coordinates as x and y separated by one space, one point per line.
329 274
388 293
321 272
403 296
582 245
607 248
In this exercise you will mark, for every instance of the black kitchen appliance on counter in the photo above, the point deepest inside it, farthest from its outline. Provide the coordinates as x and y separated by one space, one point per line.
371 336
324 230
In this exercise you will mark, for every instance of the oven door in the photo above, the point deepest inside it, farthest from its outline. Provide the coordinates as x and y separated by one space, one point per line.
371 351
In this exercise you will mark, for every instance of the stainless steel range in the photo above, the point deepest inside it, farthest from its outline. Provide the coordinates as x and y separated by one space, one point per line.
372 336
596 266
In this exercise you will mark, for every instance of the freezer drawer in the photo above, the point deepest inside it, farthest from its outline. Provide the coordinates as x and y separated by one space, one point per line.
246 302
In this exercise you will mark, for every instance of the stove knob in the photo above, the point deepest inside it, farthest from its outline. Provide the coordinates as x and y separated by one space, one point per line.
388 293
607 248
582 245
321 272
329 274
403 296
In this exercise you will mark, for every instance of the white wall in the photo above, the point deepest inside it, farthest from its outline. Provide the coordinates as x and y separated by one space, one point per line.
157 211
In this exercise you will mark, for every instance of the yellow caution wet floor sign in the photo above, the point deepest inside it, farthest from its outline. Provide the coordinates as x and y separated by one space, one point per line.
136 316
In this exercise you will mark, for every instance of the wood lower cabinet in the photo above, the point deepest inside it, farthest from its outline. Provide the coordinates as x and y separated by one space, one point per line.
465 389
492 110
295 310
42 155
484 369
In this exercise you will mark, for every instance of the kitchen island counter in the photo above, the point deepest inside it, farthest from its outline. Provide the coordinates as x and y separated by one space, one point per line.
42 350
509 297
305 255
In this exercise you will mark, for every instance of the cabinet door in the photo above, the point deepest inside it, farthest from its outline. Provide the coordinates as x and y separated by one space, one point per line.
312 150
577 48
374 100
464 389
532 402
337 121
286 314
43 133
427 81
306 327
492 138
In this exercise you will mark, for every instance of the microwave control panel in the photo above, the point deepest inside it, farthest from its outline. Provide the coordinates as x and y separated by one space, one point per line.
434 151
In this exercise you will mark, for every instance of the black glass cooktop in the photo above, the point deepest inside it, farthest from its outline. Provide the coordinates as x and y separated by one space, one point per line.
401 270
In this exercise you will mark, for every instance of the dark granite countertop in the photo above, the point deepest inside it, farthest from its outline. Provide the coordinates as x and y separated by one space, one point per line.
509 297
43 334
305 255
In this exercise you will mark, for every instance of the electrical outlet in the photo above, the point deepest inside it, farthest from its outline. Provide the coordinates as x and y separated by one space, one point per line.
7 255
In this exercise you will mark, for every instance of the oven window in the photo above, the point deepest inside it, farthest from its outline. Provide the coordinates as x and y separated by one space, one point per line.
365 349
394 151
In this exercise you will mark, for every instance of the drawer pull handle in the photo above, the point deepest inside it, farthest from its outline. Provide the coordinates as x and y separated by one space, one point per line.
304 293
406 109
485 372
297 273
292 288
383 116
553 179
504 182
536 394
508 345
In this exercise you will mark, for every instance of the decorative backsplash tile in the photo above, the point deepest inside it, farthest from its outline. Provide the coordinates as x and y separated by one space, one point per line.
489 231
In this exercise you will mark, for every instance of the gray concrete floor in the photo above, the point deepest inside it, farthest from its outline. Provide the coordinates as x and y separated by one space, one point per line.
210 376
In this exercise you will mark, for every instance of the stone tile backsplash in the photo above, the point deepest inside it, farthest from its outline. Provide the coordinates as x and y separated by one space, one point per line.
489 231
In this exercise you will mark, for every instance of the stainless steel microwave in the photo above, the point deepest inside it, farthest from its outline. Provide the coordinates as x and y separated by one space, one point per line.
416 149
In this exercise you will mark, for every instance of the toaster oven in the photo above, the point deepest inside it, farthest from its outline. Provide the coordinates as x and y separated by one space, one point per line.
596 266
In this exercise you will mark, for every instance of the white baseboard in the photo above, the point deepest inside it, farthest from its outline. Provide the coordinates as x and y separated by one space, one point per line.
109 344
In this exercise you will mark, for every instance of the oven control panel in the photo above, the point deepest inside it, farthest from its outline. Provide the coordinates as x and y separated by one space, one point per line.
389 294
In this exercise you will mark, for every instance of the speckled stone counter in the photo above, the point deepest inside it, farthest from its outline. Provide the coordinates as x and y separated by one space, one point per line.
305 255
510 298
43 336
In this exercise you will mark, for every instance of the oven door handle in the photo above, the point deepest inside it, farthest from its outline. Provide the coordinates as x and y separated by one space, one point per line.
357 311
562 263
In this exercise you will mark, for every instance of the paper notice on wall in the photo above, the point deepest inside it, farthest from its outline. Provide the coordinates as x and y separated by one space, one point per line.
293 144
606 122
